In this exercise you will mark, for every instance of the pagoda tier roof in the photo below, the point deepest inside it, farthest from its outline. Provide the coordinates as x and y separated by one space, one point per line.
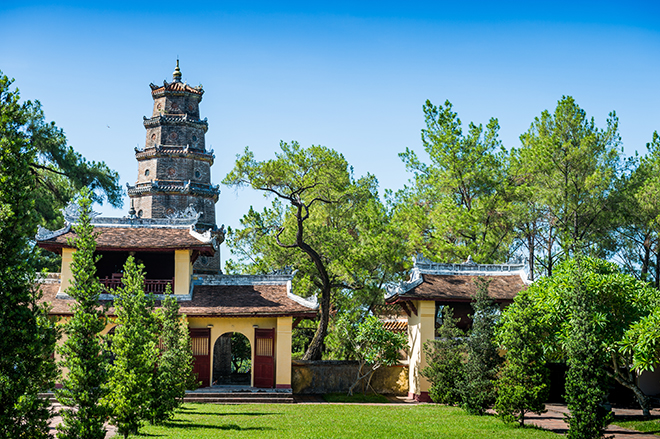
175 88
174 151
175 119
223 296
174 187
456 282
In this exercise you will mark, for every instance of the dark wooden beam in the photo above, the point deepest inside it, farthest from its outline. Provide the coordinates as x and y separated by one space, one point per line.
405 308
413 307
296 322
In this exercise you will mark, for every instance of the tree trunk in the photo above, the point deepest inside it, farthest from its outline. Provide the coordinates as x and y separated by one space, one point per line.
315 348
643 400
530 246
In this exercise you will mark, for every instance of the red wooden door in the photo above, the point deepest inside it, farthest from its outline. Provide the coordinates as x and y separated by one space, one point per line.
264 358
201 348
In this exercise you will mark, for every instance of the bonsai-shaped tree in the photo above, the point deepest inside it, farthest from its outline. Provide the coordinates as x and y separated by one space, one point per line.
375 347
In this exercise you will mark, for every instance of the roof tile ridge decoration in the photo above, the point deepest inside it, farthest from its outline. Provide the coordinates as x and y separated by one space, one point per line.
403 287
48 278
43 234
279 278
178 220
423 265
205 237
469 267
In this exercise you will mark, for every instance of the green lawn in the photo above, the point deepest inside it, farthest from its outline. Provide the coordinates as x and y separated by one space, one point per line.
200 421
638 423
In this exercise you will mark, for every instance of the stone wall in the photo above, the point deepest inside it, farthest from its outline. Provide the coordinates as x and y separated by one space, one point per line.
319 377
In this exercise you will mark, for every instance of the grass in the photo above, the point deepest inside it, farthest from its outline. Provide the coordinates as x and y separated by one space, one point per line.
638 423
202 421
356 397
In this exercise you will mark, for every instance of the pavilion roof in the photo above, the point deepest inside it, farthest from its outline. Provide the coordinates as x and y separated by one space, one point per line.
224 296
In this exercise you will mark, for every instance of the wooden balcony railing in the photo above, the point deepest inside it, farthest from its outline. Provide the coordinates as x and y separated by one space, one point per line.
156 286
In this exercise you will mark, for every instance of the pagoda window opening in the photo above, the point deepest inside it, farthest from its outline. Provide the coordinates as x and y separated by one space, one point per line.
158 269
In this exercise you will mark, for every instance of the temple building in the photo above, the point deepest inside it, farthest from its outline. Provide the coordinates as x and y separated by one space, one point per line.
171 229
433 286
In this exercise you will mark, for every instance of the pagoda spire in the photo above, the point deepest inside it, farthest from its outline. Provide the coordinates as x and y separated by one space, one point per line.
177 72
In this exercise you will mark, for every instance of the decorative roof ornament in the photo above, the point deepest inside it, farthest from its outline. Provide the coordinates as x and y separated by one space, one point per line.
131 211
469 261
43 234
72 213
177 72
189 213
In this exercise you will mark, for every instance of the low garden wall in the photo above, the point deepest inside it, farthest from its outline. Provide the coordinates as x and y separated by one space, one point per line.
319 377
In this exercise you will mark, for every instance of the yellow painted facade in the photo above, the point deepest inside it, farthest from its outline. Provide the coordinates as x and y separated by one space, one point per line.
421 328
66 274
283 351
218 325
246 326
183 269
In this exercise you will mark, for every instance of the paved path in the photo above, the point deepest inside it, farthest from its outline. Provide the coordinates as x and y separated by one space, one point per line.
57 419
553 420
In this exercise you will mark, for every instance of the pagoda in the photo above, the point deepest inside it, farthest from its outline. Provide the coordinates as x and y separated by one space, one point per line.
174 167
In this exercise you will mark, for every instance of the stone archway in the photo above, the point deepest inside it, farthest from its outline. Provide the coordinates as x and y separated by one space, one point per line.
232 360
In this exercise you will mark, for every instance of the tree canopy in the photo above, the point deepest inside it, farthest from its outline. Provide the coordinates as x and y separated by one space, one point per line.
455 205
324 223
623 308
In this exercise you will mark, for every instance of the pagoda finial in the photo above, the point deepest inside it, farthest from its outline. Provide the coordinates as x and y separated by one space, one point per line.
177 72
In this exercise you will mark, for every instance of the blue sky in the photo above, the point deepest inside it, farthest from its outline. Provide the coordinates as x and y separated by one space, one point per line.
352 76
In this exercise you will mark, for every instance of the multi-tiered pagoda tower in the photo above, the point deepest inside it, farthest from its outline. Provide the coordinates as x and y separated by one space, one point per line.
174 167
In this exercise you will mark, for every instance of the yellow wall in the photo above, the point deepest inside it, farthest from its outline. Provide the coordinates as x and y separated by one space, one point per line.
245 326
283 352
421 327
182 271
67 275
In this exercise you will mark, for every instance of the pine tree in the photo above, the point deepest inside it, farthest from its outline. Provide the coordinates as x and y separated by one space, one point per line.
82 351
173 373
27 336
446 356
523 382
134 350
477 386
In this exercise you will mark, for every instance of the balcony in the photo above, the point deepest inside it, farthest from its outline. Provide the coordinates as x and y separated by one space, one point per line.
156 286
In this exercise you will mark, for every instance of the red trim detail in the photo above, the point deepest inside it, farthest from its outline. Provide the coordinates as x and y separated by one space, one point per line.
283 386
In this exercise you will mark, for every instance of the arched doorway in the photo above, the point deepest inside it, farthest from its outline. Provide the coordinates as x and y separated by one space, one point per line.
232 360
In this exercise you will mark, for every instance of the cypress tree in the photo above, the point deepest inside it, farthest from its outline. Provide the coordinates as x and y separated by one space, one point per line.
586 379
134 350
82 352
173 371
477 386
446 356
523 382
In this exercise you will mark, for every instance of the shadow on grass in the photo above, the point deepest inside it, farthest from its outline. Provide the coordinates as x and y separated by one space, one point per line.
189 426
233 414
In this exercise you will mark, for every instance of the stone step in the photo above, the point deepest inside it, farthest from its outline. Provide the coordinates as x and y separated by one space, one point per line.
49 395
288 400
239 397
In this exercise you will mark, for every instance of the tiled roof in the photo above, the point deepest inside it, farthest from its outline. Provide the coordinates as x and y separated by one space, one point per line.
242 300
116 238
461 288
176 86
211 300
